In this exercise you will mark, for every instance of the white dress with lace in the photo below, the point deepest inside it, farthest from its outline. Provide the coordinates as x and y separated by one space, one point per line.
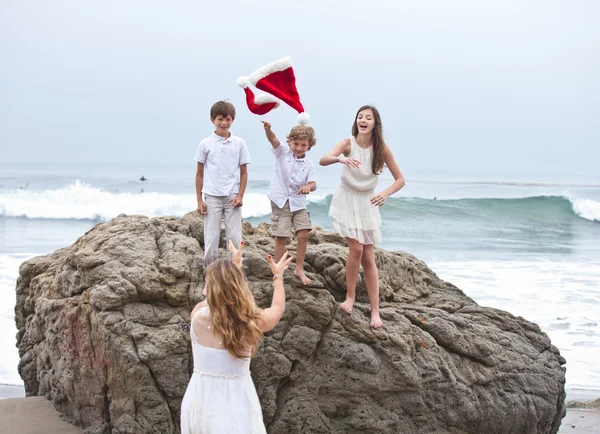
220 397
353 214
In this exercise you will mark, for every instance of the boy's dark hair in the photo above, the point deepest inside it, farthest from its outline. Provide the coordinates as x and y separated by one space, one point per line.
222 108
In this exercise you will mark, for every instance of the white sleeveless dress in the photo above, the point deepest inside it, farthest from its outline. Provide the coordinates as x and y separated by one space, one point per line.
353 214
220 397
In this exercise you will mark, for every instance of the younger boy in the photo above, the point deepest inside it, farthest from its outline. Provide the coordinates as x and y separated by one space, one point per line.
293 178
222 177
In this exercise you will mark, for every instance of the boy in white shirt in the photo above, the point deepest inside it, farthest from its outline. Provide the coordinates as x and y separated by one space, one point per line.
221 176
293 178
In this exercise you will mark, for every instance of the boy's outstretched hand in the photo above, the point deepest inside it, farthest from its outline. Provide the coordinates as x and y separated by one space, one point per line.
271 137
304 190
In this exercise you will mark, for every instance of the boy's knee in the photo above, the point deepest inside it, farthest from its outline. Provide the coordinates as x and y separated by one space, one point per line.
302 235
281 240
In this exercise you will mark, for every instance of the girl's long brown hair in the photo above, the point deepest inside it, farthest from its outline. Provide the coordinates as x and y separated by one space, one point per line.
234 314
379 145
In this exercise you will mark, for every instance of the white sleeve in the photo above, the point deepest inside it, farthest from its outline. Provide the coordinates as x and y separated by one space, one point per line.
282 149
201 153
244 154
312 174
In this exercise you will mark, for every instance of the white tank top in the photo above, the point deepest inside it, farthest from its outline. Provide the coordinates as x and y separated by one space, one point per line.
361 178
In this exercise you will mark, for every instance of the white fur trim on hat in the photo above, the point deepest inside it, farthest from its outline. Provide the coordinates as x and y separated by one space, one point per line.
263 98
303 118
279 65
243 82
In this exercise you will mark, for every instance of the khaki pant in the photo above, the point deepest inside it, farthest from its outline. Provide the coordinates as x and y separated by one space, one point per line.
283 220
216 208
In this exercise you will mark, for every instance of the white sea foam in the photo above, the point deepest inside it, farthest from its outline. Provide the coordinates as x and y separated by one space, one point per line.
587 209
9 359
82 201
562 297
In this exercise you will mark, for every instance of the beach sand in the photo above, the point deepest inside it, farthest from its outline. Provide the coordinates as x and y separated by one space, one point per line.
579 421
34 415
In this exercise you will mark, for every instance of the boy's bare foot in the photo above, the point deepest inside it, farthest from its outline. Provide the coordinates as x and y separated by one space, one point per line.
347 305
300 275
375 320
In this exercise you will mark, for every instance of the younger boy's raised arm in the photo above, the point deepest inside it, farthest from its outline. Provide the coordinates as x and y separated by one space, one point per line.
271 137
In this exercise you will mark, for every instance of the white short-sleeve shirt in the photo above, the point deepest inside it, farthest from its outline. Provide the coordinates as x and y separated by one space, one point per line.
290 174
222 158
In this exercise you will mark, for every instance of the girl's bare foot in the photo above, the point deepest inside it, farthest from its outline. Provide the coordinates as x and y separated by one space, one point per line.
375 320
300 275
347 305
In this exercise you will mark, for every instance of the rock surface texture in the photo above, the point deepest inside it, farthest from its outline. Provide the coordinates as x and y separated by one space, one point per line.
104 333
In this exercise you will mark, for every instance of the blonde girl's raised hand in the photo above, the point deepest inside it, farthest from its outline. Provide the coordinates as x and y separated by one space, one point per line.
272 315
236 254
278 268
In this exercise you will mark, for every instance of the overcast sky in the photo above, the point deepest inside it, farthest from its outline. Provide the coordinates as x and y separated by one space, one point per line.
462 86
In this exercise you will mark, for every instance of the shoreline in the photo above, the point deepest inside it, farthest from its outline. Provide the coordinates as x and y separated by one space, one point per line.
8 391
27 415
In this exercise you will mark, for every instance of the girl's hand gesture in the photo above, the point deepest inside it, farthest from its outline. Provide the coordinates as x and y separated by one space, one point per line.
279 267
350 162
236 254
380 199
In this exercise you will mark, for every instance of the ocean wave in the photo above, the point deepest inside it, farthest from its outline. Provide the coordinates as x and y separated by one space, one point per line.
587 209
82 201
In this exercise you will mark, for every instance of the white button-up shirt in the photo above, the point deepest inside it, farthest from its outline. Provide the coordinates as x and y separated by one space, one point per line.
222 158
290 174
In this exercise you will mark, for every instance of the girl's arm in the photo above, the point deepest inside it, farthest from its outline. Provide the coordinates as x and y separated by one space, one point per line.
336 156
272 315
399 182
271 137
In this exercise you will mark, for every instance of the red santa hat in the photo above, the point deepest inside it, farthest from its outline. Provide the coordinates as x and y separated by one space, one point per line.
278 80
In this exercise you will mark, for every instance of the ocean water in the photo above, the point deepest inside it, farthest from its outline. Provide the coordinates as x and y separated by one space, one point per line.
526 244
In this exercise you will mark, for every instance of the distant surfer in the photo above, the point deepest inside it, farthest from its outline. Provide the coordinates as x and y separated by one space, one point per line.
143 178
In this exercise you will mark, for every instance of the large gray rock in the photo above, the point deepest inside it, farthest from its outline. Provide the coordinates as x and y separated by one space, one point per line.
104 333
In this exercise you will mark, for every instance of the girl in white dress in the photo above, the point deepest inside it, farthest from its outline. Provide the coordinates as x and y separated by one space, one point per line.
225 331
355 205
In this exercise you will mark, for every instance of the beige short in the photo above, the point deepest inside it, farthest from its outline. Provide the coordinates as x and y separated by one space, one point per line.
282 220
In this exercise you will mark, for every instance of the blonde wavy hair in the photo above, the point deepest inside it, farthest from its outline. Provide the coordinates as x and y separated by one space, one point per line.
234 314
303 132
